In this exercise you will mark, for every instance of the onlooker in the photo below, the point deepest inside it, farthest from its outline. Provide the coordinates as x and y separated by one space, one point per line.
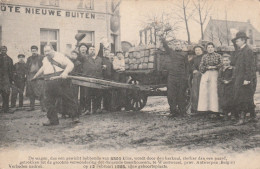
119 76
107 74
83 53
209 66
19 81
34 89
177 81
245 78
225 88
195 63
57 64
92 67
6 78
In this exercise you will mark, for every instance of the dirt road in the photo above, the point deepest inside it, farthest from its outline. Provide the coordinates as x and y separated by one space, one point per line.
149 129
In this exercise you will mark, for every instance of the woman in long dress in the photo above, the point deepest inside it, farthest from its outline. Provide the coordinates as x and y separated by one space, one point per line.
209 66
196 76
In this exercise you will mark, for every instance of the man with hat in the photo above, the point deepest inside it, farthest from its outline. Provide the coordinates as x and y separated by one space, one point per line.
34 89
244 61
6 78
19 81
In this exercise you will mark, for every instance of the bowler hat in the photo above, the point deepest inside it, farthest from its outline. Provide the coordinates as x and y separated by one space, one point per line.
80 36
21 56
240 34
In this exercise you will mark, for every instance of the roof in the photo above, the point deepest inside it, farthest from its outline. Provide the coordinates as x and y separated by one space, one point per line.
221 24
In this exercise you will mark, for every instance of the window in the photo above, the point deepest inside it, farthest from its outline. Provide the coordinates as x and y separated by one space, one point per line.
50 2
89 39
49 36
86 4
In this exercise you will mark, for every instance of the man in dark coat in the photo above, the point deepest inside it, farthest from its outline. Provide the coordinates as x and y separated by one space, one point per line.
107 74
34 89
6 78
83 53
177 82
245 78
92 67
19 81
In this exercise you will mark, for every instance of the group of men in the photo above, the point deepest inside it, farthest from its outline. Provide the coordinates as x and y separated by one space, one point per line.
14 78
46 79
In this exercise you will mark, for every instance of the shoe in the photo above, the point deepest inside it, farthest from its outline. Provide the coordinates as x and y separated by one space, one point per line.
240 122
75 120
50 124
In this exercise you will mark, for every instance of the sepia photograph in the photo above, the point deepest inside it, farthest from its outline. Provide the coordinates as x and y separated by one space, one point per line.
130 84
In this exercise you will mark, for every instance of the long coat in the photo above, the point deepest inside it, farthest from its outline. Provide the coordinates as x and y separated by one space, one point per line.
34 88
245 64
6 72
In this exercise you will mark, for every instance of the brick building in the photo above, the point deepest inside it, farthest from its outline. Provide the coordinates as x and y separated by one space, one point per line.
220 32
37 22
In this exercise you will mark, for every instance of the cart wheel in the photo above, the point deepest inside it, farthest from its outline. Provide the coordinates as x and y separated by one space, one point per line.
136 99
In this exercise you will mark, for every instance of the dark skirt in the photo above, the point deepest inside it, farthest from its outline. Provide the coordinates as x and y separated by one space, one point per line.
195 91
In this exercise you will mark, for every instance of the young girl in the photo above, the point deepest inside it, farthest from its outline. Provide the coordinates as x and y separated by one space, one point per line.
226 76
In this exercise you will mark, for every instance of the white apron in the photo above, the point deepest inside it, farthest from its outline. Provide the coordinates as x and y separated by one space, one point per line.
208 95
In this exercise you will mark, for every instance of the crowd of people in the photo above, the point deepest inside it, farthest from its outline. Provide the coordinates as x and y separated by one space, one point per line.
220 83
60 95
225 83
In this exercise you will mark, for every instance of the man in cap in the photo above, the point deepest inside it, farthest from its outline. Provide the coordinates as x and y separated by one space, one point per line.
177 81
6 78
34 89
19 81
244 61
56 64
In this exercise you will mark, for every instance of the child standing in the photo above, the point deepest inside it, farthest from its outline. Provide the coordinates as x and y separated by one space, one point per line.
226 76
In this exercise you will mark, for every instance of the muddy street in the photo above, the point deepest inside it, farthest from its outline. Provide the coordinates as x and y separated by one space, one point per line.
149 129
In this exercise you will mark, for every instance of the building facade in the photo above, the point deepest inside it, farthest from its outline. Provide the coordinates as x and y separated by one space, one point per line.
221 32
24 23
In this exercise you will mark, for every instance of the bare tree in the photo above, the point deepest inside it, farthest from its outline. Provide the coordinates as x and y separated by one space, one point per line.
220 35
158 24
184 13
203 9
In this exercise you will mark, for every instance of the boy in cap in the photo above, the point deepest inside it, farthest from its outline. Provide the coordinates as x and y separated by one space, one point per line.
19 81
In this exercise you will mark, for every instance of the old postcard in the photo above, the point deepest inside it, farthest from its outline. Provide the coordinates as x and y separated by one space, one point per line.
129 84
